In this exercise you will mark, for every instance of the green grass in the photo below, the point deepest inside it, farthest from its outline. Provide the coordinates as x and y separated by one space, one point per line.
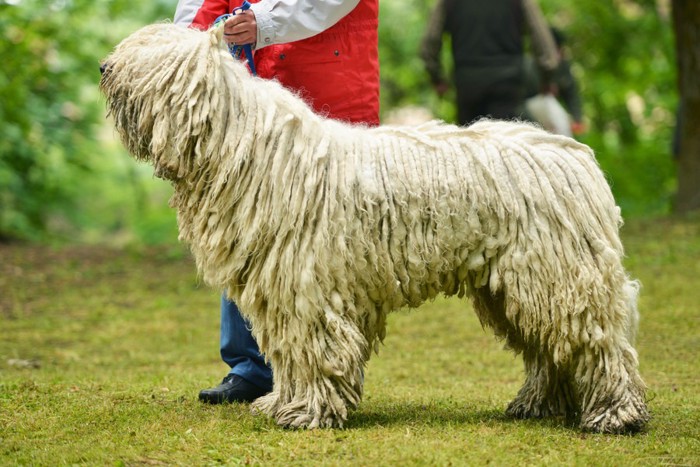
102 353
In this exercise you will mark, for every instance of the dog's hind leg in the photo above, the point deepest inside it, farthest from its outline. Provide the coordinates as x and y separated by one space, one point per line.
547 391
609 385
610 388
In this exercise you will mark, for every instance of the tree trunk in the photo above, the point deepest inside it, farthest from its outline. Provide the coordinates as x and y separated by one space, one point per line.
686 21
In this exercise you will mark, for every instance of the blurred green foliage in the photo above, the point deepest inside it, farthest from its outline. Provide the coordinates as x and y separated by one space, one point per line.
51 114
624 58
46 120
63 175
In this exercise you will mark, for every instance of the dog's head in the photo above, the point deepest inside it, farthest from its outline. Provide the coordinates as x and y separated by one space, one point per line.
158 84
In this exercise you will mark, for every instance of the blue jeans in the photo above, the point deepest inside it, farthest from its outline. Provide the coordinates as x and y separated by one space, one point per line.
239 350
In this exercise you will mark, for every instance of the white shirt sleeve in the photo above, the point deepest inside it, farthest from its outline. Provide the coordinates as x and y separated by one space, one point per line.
186 11
282 21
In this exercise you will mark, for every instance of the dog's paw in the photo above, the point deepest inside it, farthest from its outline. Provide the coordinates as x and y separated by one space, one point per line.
541 409
298 420
266 405
619 420
296 416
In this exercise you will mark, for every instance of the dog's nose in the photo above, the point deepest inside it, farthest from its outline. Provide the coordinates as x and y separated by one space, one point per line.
103 68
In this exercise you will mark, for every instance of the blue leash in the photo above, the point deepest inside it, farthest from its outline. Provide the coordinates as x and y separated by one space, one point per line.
238 50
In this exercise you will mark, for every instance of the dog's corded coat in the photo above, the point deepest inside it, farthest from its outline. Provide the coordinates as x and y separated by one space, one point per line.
318 229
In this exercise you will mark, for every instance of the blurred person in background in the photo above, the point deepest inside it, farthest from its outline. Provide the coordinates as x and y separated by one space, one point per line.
488 51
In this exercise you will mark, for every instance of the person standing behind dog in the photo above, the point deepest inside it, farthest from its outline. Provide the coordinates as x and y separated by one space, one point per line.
328 53
488 47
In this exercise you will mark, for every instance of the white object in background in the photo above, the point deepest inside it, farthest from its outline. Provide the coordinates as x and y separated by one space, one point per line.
547 110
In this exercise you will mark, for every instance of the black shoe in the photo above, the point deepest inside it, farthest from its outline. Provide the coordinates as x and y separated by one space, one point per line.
232 389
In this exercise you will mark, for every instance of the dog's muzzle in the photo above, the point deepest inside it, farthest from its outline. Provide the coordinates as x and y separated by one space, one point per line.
104 67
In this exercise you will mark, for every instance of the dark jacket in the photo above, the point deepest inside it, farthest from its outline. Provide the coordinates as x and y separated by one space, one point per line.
487 40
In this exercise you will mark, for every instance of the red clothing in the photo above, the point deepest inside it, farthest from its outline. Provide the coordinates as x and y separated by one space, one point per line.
335 71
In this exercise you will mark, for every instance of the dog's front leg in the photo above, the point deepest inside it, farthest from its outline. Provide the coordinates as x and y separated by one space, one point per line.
317 358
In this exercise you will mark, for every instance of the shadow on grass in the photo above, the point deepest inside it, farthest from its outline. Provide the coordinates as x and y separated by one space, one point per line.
445 413
442 412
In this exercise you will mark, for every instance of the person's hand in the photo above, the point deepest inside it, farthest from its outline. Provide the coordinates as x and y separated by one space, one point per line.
549 88
578 128
241 28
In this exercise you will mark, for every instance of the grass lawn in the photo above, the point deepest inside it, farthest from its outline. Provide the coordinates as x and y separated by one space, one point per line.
102 353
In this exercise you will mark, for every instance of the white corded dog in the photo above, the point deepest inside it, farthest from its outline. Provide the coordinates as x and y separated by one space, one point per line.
318 229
